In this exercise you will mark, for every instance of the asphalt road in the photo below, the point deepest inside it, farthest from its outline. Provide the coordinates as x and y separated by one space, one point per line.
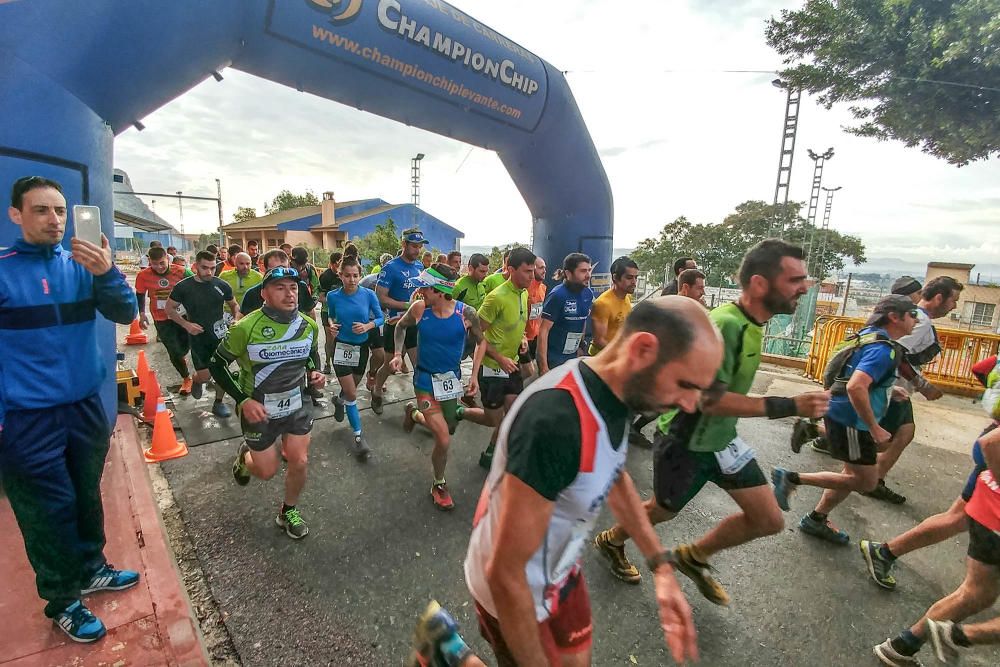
378 550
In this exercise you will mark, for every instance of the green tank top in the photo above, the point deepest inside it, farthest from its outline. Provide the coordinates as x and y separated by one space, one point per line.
741 339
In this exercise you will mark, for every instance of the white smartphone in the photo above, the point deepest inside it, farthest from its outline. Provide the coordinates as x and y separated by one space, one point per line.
87 223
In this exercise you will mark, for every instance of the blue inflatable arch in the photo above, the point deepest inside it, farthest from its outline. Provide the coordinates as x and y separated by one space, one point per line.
73 75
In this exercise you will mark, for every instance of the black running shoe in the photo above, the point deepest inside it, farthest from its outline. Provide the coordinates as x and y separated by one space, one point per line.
884 493
803 431
338 408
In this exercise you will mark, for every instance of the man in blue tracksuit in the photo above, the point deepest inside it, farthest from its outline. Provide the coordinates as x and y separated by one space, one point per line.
54 433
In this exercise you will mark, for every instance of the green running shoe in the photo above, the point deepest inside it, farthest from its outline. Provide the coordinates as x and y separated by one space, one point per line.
293 523
240 471
879 568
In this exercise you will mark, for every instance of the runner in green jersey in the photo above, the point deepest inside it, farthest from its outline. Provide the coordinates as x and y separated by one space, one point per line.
693 449
276 349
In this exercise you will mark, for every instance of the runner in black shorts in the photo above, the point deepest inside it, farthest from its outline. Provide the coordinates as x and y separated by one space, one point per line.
203 296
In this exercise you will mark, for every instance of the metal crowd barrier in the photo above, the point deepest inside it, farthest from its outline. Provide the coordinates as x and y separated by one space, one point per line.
952 370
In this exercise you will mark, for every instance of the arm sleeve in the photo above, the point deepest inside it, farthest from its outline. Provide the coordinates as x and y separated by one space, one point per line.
115 299
543 446
376 309
231 347
140 299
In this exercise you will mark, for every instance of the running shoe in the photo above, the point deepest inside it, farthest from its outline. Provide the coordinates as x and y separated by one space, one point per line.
185 386
197 388
360 449
636 437
79 623
803 431
293 523
939 633
821 445
377 401
889 656
783 489
469 401
110 579
883 492
221 410
240 471
879 568
699 574
408 421
618 562
436 642
441 497
486 458
338 408
824 531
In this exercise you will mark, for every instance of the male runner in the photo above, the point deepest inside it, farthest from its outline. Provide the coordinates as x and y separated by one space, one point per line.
275 348
469 289
157 281
681 264
455 261
693 449
691 283
861 398
307 272
254 299
354 314
536 297
497 278
203 296
394 289
253 249
503 318
329 281
612 307
243 277
978 591
442 324
565 313
222 262
560 456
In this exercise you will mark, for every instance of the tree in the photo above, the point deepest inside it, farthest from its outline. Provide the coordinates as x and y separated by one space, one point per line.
719 248
244 213
924 72
285 200
496 254
383 239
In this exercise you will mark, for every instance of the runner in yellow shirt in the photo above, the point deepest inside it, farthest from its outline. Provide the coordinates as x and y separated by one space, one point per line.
612 307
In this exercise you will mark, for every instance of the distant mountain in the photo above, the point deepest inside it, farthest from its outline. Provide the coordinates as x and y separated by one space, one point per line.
896 267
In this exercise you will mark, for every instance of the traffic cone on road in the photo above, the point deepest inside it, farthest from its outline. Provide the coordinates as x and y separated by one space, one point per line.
142 370
136 336
165 445
149 407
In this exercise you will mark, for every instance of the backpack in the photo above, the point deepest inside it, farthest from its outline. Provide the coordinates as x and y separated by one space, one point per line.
991 397
833 374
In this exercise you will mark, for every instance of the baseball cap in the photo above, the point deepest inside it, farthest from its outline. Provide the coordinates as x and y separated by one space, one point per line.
414 236
890 303
905 285
431 278
280 273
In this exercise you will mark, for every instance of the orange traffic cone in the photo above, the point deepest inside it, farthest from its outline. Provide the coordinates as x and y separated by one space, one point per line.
142 370
136 336
149 407
165 445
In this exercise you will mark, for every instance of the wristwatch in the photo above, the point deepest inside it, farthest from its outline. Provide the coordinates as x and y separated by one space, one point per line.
664 557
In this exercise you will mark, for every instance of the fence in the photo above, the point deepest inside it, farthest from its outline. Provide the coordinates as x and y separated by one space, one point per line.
951 370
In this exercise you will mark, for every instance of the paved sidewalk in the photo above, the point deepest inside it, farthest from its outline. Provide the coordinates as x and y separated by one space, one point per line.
150 624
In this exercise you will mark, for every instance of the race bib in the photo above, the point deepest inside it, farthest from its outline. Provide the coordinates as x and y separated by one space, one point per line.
446 386
345 354
535 311
161 304
572 342
283 404
220 328
494 372
734 457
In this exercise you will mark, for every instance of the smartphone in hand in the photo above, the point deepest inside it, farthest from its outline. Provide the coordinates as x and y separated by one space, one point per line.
87 223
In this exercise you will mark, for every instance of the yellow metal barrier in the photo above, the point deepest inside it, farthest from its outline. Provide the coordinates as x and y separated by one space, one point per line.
951 370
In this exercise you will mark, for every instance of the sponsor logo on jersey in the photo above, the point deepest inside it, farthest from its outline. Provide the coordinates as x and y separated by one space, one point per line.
267 332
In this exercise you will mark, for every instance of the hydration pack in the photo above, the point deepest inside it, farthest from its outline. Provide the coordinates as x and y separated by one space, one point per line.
833 375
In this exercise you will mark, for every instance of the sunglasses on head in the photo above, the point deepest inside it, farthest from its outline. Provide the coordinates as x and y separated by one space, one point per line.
283 272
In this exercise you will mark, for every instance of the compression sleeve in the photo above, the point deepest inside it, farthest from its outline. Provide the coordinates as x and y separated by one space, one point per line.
231 347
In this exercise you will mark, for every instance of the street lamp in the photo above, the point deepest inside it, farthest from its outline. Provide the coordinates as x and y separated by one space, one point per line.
415 178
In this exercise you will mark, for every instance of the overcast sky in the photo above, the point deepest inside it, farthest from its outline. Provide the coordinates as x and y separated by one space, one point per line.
678 136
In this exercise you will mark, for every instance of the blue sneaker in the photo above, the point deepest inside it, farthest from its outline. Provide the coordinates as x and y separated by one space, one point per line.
79 624
221 410
110 579
824 531
782 487
436 642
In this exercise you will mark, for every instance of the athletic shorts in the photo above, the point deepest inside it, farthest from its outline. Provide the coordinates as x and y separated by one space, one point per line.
528 356
984 544
495 389
203 346
174 337
375 338
388 342
899 414
566 632
850 445
261 436
429 405
344 371
679 474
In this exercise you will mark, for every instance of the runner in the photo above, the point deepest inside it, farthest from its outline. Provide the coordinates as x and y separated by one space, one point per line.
612 307
455 261
275 348
243 277
427 259
691 283
441 324
329 281
977 592
470 289
565 313
497 278
680 265
560 456
861 397
203 296
503 318
157 281
254 298
693 449
354 313
394 289
253 249
536 297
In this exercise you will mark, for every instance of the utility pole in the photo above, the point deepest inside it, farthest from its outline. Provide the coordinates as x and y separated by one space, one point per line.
826 226
218 192
819 161
180 207
415 178
786 155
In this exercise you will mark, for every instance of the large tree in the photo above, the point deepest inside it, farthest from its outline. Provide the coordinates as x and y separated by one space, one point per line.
244 213
286 199
383 239
719 248
924 72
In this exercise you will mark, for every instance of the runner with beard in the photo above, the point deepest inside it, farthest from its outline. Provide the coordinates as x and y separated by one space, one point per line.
692 449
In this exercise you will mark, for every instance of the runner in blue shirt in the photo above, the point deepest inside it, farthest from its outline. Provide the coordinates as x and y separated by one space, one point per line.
565 313
395 286
354 312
